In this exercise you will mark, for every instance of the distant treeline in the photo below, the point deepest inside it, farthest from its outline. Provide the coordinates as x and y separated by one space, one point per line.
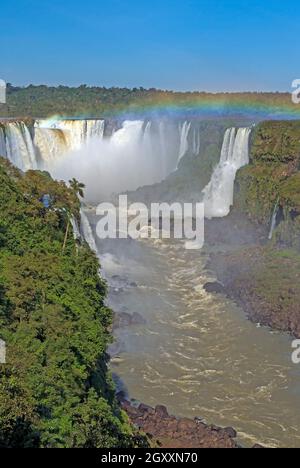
43 101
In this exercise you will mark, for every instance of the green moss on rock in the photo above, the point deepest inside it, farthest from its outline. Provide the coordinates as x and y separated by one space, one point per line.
276 141
273 177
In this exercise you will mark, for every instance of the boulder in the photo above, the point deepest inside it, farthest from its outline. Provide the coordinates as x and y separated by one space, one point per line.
214 287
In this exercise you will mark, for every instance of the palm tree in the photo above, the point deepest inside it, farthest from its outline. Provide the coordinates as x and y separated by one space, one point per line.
77 187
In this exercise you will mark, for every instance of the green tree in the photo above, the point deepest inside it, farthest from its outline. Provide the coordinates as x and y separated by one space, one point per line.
77 187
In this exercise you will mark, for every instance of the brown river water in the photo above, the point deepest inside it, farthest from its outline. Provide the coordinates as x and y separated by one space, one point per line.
197 353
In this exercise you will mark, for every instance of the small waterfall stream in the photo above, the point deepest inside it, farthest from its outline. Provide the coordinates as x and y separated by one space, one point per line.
87 232
184 131
274 220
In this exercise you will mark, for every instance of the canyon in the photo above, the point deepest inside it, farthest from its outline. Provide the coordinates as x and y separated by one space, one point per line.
192 349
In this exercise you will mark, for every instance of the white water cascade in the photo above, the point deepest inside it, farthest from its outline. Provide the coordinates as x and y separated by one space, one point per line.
184 131
132 154
46 142
76 132
87 232
274 220
51 145
16 144
196 142
75 227
137 154
218 194
2 143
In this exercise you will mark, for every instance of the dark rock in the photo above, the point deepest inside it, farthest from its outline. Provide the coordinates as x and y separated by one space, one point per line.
124 319
137 319
215 428
146 408
126 405
215 287
230 432
161 411
117 278
121 396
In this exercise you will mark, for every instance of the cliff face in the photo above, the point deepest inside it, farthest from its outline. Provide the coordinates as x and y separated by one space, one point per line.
272 179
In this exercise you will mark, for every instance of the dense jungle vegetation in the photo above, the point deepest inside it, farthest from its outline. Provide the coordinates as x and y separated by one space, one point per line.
55 389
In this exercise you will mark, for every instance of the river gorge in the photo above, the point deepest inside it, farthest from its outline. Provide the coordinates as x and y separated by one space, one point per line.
176 343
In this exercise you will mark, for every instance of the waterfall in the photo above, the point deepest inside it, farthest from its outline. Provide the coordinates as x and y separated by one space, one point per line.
48 142
218 194
2 143
184 144
51 144
87 232
149 149
76 132
95 129
76 231
19 147
136 154
163 147
196 142
274 220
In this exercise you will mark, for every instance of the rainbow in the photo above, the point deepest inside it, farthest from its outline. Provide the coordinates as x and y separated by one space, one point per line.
255 106
188 106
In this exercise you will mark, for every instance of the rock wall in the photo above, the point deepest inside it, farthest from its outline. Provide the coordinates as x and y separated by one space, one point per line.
271 179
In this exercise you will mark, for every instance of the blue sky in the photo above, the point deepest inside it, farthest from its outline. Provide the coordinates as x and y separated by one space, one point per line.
207 45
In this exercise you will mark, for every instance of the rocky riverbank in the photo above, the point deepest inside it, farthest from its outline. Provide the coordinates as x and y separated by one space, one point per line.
167 431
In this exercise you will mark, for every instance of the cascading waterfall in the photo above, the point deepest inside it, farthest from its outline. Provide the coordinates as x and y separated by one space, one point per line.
163 146
196 142
87 232
47 142
184 143
16 145
218 194
2 143
75 227
137 153
76 132
51 144
274 220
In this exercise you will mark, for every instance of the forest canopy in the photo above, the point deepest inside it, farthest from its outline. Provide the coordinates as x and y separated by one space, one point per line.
91 101
55 388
